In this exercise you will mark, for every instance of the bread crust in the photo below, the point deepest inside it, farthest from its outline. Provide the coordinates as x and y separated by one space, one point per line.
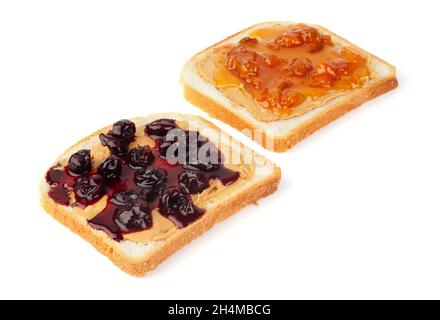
139 266
283 143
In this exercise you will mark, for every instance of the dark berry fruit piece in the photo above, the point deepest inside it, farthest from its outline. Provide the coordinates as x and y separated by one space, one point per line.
124 198
160 127
111 168
176 201
133 196
140 157
124 129
133 218
115 145
90 188
150 177
80 162
176 204
193 182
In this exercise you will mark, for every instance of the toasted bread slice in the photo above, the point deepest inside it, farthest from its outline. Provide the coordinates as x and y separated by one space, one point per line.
258 179
281 134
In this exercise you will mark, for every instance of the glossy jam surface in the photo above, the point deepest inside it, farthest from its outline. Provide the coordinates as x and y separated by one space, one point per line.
61 184
284 66
138 182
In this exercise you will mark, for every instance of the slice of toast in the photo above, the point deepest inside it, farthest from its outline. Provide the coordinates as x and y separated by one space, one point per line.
258 178
281 134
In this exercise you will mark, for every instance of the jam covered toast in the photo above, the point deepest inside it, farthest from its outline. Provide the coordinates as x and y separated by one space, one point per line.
141 189
282 81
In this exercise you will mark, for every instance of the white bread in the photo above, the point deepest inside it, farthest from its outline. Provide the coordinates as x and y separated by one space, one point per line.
283 133
139 258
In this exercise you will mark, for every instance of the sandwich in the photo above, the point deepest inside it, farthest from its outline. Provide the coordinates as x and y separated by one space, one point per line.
279 82
141 189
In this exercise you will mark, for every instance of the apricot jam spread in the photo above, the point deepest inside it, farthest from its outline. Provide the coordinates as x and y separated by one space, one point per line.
283 69
134 191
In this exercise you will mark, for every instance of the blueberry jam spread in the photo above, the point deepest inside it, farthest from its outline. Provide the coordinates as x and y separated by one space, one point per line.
142 179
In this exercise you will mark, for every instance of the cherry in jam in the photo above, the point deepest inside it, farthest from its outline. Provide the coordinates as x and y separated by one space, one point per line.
160 128
150 177
193 182
141 180
111 168
176 204
116 146
140 157
124 129
118 139
80 162
89 189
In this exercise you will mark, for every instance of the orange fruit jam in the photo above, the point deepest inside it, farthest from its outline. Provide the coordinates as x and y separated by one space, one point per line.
284 66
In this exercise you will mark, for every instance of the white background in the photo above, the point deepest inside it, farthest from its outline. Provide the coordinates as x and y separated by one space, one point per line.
357 214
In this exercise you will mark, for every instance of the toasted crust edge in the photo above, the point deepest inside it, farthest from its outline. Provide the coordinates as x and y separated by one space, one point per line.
286 142
140 266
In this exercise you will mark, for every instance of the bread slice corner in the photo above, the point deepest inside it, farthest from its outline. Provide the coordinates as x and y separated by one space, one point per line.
140 258
281 135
